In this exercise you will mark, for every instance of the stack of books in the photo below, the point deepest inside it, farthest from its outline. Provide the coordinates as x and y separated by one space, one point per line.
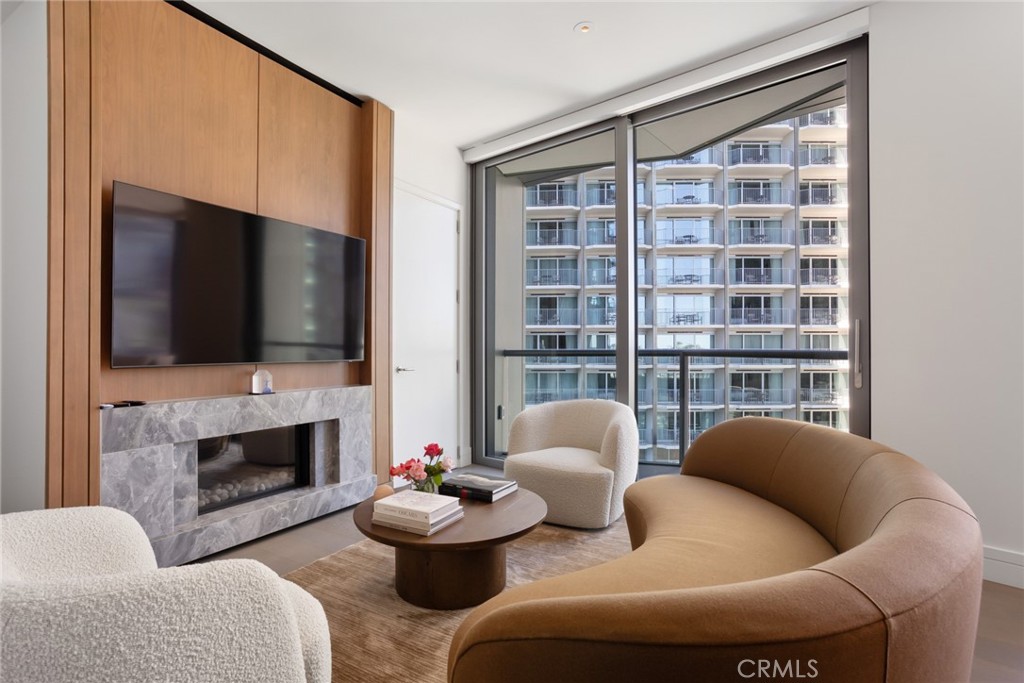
477 487
416 512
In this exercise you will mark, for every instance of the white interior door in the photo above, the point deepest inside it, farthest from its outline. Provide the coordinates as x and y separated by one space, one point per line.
425 325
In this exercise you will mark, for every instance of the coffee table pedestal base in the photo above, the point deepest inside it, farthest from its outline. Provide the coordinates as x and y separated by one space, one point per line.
449 580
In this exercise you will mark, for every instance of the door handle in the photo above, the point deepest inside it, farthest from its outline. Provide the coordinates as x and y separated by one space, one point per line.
399 368
858 371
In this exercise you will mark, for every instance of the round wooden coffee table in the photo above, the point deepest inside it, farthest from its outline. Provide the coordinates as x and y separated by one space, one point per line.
461 565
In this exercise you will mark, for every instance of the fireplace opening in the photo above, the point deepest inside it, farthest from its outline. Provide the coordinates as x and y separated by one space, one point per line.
236 468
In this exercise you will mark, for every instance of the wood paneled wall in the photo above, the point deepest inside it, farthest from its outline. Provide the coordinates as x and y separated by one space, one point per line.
143 93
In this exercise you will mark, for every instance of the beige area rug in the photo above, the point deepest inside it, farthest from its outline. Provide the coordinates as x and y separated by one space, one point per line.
377 636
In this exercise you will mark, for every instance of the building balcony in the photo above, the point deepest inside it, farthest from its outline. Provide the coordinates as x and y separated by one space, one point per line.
750 196
604 394
835 195
551 197
824 397
553 318
773 362
824 277
601 237
760 397
821 155
698 397
824 237
552 277
822 363
833 118
601 317
552 238
825 317
689 238
689 196
667 318
598 277
761 236
600 196
547 361
674 278
534 397
705 157
760 316
765 156
762 277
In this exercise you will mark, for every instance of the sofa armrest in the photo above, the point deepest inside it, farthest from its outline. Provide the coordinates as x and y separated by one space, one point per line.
221 621
79 542
704 632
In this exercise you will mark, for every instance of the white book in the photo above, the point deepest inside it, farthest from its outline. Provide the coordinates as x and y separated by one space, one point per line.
403 526
427 507
382 516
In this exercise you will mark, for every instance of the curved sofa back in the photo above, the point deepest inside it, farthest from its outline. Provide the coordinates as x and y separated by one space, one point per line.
906 540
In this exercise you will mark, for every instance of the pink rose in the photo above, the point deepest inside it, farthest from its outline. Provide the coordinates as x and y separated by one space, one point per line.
418 471
447 463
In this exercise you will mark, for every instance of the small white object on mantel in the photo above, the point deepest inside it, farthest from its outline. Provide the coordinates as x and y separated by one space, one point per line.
262 382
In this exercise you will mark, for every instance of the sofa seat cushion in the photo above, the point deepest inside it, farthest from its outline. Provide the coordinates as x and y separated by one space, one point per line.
573 483
571 461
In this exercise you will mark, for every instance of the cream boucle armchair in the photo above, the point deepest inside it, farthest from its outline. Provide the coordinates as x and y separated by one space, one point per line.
81 599
579 456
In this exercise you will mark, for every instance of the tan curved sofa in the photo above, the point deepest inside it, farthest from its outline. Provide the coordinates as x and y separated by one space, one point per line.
784 551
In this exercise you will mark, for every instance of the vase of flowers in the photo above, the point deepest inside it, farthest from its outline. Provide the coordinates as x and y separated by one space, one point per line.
424 473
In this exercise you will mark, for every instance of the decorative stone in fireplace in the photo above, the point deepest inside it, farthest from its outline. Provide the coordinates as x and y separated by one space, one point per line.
150 453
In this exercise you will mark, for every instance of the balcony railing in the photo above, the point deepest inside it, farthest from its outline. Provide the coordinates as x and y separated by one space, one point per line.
689 237
601 276
827 117
548 237
683 357
747 397
837 236
552 277
601 317
760 316
594 392
760 156
534 397
822 316
824 156
670 277
762 276
823 277
553 360
552 317
600 196
766 235
685 196
668 318
760 361
830 397
824 196
552 196
705 157
704 397
760 195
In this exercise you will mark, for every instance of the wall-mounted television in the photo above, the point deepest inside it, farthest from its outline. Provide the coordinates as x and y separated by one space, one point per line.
198 284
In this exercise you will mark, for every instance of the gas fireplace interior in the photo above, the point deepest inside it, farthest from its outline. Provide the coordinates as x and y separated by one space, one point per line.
235 468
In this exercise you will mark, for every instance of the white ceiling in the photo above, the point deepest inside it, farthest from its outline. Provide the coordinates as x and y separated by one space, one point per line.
472 71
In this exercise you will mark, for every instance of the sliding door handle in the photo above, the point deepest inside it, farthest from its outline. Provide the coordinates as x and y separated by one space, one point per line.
399 369
856 366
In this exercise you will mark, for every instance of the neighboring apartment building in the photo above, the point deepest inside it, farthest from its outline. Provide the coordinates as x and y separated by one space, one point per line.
742 245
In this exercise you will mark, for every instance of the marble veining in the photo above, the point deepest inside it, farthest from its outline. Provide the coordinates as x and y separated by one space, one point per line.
149 464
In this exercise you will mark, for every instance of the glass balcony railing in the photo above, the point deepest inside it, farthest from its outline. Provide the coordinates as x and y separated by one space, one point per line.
827 117
534 397
821 396
687 196
824 196
825 362
760 156
705 157
549 196
822 316
766 235
760 316
760 195
552 317
552 277
704 397
668 318
601 317
595 392
689 237
674 277
548 237
823 277
821 155
746 396
762 276
600 196
601 276
830 236
760 361
553 360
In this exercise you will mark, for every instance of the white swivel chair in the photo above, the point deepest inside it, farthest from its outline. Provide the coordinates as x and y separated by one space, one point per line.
579 456
81 599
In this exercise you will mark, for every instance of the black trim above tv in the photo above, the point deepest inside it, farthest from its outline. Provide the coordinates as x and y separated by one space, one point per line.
193 283
218 25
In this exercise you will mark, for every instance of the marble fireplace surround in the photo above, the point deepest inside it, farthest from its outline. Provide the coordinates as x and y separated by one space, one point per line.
148 465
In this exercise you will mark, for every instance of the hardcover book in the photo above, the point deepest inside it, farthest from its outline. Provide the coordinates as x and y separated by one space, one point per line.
413 527
383 516
478 487
426 507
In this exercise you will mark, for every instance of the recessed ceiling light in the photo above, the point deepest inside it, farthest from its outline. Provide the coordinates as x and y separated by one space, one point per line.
583 27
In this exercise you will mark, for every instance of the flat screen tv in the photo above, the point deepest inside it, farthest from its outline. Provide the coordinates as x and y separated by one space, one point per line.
199 284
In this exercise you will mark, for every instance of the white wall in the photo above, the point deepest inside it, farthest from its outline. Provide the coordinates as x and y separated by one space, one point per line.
947 253
436 168
23 255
